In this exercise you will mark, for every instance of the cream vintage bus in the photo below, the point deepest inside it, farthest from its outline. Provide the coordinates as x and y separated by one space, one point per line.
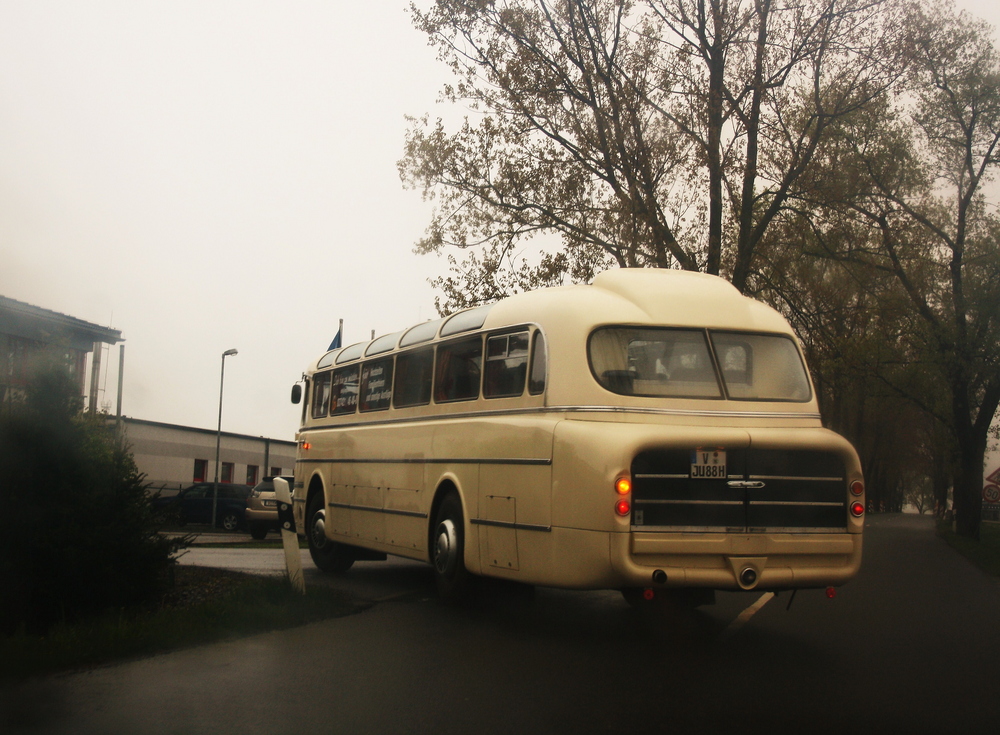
653 432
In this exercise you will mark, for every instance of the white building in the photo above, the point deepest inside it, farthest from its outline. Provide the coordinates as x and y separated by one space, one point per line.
173 457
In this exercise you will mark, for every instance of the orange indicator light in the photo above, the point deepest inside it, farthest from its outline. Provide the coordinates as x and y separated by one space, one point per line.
306 446
623 507
623 486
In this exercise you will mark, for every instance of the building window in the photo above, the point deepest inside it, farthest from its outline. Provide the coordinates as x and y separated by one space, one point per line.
228 469
200 470
252 470
275 472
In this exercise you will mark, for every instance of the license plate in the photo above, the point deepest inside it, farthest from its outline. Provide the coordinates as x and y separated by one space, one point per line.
708 464
270 503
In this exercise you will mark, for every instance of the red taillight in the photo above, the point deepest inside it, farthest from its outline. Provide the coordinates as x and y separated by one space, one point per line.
648 594
623 507
623 486
857 509
857 487
831 592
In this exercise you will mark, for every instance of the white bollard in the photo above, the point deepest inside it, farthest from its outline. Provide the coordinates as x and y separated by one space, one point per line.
289 539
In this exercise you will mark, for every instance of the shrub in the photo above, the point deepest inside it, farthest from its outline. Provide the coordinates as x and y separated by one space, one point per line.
80 536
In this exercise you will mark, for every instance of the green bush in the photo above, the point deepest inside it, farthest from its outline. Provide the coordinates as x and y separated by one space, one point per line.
79 535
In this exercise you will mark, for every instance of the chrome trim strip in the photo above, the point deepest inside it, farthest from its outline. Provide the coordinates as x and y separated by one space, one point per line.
798 503
745 484
662 477
429 460
656 501
722 530
703 413
790 477
387 511
507 524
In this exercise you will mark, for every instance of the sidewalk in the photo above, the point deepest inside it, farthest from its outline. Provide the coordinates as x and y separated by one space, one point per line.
206 535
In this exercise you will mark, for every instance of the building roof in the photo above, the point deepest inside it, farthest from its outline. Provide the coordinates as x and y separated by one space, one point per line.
44 325
197 430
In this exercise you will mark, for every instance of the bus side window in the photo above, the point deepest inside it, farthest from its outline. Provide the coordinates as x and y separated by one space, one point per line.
456 377
536 383
412 386
376 385
345 390
506 365
320 395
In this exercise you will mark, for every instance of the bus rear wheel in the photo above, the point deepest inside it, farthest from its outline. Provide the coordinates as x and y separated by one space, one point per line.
448 550
327 555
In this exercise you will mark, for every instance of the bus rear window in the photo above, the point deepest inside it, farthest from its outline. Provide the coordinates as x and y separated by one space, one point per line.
654 362
761 367
678 363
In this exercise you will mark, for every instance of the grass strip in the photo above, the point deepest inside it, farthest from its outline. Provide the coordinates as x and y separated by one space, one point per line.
984 553
241 606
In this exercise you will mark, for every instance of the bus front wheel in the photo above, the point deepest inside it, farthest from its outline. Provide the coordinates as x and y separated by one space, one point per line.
328 555
448 550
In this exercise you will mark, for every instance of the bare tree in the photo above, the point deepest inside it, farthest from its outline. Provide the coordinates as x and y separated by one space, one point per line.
668 133
914 176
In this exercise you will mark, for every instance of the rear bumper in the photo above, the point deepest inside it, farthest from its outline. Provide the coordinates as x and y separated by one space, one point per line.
780 561
269 515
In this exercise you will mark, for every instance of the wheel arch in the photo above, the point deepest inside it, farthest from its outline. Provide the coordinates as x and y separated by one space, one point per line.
316 485
446 486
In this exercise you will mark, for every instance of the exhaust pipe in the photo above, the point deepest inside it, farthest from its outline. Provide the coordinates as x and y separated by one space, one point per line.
748 578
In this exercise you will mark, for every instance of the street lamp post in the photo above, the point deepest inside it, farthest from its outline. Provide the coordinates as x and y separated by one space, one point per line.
218 437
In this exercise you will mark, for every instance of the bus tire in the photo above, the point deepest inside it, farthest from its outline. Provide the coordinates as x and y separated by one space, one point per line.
452 579
327 555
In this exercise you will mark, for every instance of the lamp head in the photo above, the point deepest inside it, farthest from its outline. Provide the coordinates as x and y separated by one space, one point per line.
228 353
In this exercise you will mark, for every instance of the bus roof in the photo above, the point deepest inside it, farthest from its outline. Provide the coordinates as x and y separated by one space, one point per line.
626 296
643 296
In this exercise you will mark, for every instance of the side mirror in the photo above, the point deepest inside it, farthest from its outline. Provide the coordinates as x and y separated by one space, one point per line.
296 393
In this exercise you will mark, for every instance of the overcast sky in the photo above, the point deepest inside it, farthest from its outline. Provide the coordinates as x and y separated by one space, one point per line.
214 174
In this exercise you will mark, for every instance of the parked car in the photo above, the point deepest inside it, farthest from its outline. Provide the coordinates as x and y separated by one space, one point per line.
262 507
194 505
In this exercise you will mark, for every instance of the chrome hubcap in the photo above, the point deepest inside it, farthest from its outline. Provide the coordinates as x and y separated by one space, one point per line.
445 546
319 531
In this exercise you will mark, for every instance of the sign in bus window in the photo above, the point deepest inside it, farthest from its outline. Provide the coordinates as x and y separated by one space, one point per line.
506 365
344 393
376 385
412 385
321 394
456 377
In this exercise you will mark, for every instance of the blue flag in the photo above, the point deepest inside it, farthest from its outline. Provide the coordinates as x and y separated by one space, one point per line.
336 341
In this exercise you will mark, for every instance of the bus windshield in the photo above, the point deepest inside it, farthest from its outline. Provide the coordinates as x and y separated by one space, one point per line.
664 362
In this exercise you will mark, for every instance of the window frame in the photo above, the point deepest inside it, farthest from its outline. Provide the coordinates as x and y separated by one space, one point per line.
447 346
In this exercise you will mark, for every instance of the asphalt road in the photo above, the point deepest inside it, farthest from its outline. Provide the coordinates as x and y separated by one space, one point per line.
912 645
